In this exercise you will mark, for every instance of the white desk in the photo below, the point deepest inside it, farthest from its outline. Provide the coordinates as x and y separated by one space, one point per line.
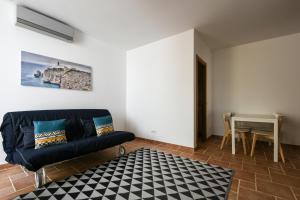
256 118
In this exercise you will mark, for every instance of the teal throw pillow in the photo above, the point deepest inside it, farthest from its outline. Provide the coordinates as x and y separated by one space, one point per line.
103 125
49 133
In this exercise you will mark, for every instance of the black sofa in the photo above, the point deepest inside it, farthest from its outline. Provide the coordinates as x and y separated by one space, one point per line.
35 159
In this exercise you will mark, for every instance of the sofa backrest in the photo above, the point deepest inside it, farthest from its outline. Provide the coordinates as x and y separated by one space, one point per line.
12 121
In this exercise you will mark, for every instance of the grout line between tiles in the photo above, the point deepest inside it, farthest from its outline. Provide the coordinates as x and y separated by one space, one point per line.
293 192
255 182
12 184
238 190
23 168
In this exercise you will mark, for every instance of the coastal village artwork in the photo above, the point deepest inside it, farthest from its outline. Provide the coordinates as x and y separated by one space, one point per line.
43 71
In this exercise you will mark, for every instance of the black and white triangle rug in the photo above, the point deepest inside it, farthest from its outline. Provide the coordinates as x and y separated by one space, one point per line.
143 174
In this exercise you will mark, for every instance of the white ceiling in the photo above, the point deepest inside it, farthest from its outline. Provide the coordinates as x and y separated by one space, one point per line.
128 24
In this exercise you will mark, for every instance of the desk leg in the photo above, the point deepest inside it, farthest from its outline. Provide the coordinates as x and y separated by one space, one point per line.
276 141
233 136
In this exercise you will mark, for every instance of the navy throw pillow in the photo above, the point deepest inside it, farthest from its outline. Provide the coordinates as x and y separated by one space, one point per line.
72 129
28 136
88 128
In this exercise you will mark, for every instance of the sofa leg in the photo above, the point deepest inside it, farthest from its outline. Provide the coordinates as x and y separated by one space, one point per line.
40 177
122 150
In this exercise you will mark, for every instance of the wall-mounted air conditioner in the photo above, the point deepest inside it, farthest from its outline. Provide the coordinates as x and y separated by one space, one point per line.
41 23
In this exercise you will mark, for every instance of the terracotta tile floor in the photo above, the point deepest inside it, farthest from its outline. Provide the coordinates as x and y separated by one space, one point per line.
257 178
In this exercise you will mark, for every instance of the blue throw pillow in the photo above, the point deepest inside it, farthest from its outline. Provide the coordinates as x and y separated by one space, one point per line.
103 125
49 132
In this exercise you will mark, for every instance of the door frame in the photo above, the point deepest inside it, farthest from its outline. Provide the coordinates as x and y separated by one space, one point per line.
200 60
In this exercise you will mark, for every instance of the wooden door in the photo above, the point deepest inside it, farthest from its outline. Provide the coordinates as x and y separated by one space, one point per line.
200 100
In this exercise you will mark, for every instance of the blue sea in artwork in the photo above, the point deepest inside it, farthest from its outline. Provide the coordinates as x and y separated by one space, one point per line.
27 75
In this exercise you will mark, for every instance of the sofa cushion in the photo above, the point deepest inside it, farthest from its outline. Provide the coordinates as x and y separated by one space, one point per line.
28 138
88 127
73 129
103 125
34 159
48 133
95 143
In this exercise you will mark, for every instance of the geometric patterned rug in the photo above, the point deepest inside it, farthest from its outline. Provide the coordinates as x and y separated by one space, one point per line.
143 174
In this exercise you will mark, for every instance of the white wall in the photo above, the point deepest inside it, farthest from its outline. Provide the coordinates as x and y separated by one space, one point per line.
204 52
160 90
108 64
260 77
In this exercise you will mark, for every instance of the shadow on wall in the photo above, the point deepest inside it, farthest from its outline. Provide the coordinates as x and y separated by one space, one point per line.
223 92
129 126
289 126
